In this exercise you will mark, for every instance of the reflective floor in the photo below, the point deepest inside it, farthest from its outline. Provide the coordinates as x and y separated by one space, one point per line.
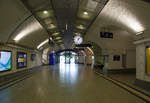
66 83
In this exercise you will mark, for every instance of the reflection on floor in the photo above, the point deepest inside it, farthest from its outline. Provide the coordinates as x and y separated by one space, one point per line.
68 73
66 83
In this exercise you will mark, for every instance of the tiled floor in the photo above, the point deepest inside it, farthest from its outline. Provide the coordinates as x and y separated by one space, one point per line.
66 84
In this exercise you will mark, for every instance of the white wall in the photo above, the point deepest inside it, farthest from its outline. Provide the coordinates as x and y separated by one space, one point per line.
131 59
81 59
45 56
114 64
30 64
141 61
122 42
88 59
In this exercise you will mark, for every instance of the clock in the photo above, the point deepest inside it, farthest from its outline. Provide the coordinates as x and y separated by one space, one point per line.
78 39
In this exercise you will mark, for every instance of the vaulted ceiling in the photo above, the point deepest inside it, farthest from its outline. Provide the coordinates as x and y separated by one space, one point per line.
125 19
60 21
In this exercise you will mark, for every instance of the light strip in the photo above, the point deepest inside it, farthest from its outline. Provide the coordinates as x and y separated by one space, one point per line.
90 50
85 13
123 15
41 44
45 12
66 26
30 28
51 38
139 33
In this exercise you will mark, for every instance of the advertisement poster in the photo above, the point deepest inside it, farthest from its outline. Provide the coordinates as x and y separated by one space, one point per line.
5 60
21 59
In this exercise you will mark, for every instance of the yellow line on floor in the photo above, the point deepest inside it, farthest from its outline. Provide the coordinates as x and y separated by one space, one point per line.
147 98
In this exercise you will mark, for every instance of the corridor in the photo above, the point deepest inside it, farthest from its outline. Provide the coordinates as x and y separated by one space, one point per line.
66 83
74 51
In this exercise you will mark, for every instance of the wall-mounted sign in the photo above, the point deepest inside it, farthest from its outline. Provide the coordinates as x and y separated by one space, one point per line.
83 45
106 35
21 60
5 60
116 58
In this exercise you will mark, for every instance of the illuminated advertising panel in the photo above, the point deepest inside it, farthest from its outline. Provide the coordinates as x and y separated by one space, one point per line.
21 60
5 60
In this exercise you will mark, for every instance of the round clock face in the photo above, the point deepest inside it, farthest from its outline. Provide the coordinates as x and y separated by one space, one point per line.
78 39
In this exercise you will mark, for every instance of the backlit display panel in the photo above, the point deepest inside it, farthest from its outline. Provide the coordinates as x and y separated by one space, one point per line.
21 60
5 60
148 59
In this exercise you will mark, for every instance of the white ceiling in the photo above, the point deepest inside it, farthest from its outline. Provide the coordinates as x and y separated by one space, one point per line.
123 17
35 33
11 13
16 19
130 15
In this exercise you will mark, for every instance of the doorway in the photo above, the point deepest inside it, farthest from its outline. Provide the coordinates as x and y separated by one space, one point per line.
68 57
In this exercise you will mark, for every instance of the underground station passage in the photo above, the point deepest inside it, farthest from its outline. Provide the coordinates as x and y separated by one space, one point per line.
74 51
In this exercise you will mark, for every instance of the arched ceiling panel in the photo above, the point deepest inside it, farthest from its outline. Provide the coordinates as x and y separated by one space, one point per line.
43 11
12 14
29 34
124 18
131 15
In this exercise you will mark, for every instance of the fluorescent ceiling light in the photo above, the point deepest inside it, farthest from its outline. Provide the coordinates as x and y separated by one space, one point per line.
90 50
45 12
58 38
51 38
73 53
81 27
85 13
55 34
41 44
30 28
139 33
66 26
78 34
51 26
